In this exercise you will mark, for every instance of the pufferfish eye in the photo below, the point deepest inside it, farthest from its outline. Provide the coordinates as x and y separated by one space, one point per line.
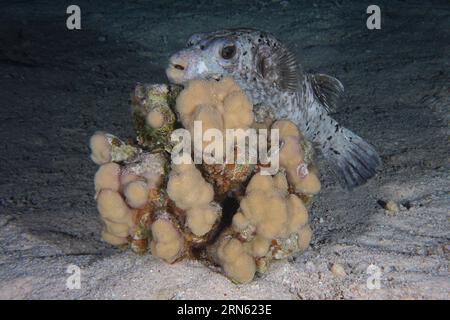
228 51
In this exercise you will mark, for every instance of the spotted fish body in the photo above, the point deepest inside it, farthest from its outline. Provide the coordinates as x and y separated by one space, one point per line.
270 75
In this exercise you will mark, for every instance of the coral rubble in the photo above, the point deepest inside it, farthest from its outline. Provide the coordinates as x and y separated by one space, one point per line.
177 210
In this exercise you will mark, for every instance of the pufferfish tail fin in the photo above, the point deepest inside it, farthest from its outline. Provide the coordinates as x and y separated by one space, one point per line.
328 90
354 160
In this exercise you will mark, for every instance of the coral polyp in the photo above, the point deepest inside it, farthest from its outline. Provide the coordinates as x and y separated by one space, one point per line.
178 210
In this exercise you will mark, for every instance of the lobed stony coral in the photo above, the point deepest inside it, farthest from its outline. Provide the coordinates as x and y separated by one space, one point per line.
191 193
122 187
270 224
106 147
167 240
293 158
219 105
225 98
175 210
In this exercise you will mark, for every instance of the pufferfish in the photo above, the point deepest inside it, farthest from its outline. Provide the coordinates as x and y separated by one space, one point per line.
270 75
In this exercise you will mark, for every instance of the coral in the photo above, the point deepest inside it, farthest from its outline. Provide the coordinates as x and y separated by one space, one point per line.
106 147
122 188
187 188
270 224
116 215
218 105
136 193
178 210
237 264
295 158
153 118
228 177
107 177
191 193
168 241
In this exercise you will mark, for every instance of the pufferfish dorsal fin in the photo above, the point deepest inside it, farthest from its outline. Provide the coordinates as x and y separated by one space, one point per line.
281 68
328 90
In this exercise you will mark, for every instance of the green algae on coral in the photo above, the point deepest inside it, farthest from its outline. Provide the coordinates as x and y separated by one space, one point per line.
160 99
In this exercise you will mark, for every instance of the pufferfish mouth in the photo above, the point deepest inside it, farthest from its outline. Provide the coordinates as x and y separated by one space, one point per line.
176 72
177 66
180 69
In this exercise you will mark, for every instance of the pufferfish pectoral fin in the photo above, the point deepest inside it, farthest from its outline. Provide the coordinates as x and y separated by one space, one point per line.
279 66
328 90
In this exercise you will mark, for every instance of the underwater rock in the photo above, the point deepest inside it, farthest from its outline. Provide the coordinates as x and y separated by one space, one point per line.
391 206
338 270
